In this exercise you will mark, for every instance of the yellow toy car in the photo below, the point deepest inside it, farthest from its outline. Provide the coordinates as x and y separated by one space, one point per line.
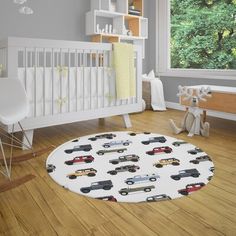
168 161
90 172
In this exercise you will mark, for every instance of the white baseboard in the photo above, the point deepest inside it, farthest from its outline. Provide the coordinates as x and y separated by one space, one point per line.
223 115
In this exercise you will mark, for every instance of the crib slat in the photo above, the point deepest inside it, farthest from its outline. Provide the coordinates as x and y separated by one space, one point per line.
76 79
84 61
97 88
35 81
68 74
44 82
90 62
60 74
26 62
52 64
103 77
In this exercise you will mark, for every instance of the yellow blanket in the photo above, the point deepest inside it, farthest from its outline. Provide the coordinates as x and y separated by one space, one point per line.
123 60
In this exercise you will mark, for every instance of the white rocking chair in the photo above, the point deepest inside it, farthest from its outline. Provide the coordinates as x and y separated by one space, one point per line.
14 107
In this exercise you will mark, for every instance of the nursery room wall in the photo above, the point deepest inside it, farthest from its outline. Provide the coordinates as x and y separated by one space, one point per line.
171 83
60 19
52 19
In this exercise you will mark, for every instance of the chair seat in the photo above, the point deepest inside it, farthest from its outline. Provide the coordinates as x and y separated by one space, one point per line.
14 106
13 115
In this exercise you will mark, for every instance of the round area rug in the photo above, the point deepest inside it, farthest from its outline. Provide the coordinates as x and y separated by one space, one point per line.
130 167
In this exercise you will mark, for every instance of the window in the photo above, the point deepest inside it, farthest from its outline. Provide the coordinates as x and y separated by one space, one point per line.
197 38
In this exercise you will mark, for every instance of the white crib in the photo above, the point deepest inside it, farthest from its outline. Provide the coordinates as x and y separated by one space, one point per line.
67 81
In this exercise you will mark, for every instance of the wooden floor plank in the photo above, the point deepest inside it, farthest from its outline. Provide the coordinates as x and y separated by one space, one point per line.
10 184
41 207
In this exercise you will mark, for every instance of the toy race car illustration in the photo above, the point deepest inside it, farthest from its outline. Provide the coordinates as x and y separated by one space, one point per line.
85 148
90 172
212 169
158 150
191 188
178 143
80 159
129 168
201 159
158 198
169 161
186 173
120 150
161 139
108 198
136 133
50 168
105 185
126 191
142 178
131 157
102 136
195 151
116 143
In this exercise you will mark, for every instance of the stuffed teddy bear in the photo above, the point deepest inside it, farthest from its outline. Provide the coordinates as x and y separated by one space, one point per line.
192 122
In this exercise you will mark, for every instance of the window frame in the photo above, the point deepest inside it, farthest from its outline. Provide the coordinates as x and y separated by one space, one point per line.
163 51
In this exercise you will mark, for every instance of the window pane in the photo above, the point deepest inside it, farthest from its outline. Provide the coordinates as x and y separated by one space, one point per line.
203 34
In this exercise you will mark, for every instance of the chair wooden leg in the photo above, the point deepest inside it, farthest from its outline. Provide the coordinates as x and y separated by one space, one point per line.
10 184
4 165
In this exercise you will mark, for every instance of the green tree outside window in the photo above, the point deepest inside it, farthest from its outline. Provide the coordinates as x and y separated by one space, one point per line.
203 34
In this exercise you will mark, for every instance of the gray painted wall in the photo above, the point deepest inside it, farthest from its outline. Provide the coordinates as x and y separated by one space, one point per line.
53 19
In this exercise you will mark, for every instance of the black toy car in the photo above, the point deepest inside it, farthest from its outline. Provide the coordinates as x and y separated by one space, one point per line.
178 143
131 157
161 139
201 159
186 173
102 136
50 168
105 185
129 168
136 133
85 148
195 151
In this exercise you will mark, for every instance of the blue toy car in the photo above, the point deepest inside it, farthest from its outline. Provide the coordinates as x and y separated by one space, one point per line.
116 143
142 178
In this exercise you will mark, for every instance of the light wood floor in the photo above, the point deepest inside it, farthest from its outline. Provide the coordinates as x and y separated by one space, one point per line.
41 207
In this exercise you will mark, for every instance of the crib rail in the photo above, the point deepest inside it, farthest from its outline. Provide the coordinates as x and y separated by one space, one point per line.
64 77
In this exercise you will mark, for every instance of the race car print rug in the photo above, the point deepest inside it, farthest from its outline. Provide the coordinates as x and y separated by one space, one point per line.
130 167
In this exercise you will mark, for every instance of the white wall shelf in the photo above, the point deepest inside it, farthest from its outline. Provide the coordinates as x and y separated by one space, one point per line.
110 21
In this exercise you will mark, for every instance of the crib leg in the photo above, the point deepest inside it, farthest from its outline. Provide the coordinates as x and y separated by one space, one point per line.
127 121
29 134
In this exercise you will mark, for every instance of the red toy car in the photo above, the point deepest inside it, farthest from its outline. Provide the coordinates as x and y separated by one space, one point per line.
80 159
191 188
157 150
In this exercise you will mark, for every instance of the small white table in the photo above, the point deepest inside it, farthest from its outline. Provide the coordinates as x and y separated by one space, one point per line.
223 99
